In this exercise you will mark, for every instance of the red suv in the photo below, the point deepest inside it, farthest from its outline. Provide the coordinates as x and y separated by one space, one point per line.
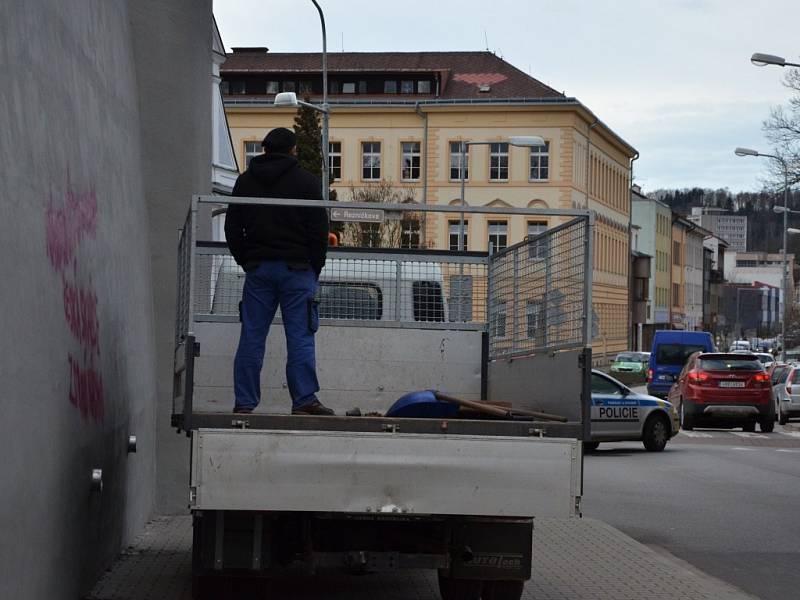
724 390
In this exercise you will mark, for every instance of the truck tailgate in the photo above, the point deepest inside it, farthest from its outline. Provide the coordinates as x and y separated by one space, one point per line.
357 472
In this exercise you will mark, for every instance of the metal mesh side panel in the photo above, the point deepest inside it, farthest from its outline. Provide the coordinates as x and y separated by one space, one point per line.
402 288
538 292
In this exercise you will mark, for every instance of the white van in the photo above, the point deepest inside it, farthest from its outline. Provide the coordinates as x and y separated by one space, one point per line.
354 289
740 345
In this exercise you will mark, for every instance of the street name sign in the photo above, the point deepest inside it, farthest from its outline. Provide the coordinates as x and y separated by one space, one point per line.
360 215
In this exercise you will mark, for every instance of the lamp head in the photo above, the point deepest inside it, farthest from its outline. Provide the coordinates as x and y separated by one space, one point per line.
792 230
286 99
777 209
762 60
745 152
526 141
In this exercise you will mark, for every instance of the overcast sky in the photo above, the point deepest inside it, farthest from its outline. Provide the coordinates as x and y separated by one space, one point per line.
672 77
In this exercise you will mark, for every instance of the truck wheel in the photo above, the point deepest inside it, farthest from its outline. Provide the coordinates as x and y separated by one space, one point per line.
767 424
687 421
459 589
502 590
656 433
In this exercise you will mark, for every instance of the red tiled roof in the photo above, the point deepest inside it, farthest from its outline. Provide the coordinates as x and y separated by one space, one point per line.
461 73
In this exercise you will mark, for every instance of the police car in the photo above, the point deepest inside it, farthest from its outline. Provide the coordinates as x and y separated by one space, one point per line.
619 414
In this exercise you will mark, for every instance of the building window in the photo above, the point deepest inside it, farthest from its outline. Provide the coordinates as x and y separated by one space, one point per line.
409 233
455 162
538 248
349 87
498 162
251 149
676 294
389 87
362 87
333 87
224 88
497 320
406 87
370 160
424 87
273 87
453 228
288 86
540 162
335 160
676 253
498 235
371 235
411 161
306 87
238 87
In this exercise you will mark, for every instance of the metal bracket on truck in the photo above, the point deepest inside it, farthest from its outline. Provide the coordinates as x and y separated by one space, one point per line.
365 493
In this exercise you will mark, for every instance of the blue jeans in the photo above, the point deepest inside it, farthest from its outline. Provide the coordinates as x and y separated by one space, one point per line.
266 287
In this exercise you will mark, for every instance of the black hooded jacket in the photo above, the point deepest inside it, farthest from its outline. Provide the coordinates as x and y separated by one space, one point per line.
257 233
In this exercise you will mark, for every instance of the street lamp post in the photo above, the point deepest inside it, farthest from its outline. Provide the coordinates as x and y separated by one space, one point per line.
325 112
762 60
785 211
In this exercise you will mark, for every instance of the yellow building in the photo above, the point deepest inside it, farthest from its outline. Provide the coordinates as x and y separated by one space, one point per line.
400 118
677 280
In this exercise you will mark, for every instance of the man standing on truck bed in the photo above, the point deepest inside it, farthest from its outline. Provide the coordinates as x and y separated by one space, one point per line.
282 250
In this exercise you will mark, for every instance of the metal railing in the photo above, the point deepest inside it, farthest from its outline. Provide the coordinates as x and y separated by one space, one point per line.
531 297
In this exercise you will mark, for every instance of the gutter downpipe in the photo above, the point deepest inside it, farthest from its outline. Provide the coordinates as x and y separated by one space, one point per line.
424 117
635 335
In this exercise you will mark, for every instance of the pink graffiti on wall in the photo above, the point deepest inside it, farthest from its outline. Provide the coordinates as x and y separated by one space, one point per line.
67 223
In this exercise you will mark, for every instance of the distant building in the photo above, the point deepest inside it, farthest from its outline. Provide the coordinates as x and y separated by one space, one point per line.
713 278
751 309
654 218
720 222
752 267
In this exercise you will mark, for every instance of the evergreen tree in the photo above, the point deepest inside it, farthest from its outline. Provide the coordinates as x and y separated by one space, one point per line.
309 139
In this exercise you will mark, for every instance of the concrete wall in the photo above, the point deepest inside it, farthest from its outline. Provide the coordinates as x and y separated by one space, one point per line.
172 45
78 368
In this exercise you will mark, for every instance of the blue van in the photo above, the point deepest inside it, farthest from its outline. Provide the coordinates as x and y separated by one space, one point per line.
668 355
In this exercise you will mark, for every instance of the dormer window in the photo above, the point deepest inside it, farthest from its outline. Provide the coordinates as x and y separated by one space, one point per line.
424 87
390 87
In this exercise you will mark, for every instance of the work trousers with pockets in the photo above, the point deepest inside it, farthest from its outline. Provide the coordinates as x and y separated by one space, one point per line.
274 283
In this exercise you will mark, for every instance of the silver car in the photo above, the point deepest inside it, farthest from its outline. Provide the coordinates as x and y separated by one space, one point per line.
619 414
787 396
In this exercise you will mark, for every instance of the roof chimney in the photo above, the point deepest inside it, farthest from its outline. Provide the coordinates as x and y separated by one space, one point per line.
250 50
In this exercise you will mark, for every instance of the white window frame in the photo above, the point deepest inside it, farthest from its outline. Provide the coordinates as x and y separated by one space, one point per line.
331 156
498 151
375 157
539 154
455 161
538 250
453 232
500 231
410 155
249 153
409 229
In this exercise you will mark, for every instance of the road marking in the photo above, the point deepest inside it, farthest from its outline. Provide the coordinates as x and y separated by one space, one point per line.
744 449
791 433
749 434
696 434
786 450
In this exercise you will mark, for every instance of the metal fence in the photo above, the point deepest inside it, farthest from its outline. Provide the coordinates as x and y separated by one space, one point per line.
366 288
539 292
531 297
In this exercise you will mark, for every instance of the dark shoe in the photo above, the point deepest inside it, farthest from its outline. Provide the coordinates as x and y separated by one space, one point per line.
242 410
315 408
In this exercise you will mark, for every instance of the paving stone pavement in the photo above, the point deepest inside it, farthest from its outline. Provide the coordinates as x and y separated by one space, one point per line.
573 559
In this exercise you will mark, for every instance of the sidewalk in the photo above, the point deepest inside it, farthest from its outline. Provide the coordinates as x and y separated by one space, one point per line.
573 559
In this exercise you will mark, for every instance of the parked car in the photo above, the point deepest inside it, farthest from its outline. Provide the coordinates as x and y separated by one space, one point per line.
619 414
630 366
740 345
724 390
788 396
766 359
669 353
